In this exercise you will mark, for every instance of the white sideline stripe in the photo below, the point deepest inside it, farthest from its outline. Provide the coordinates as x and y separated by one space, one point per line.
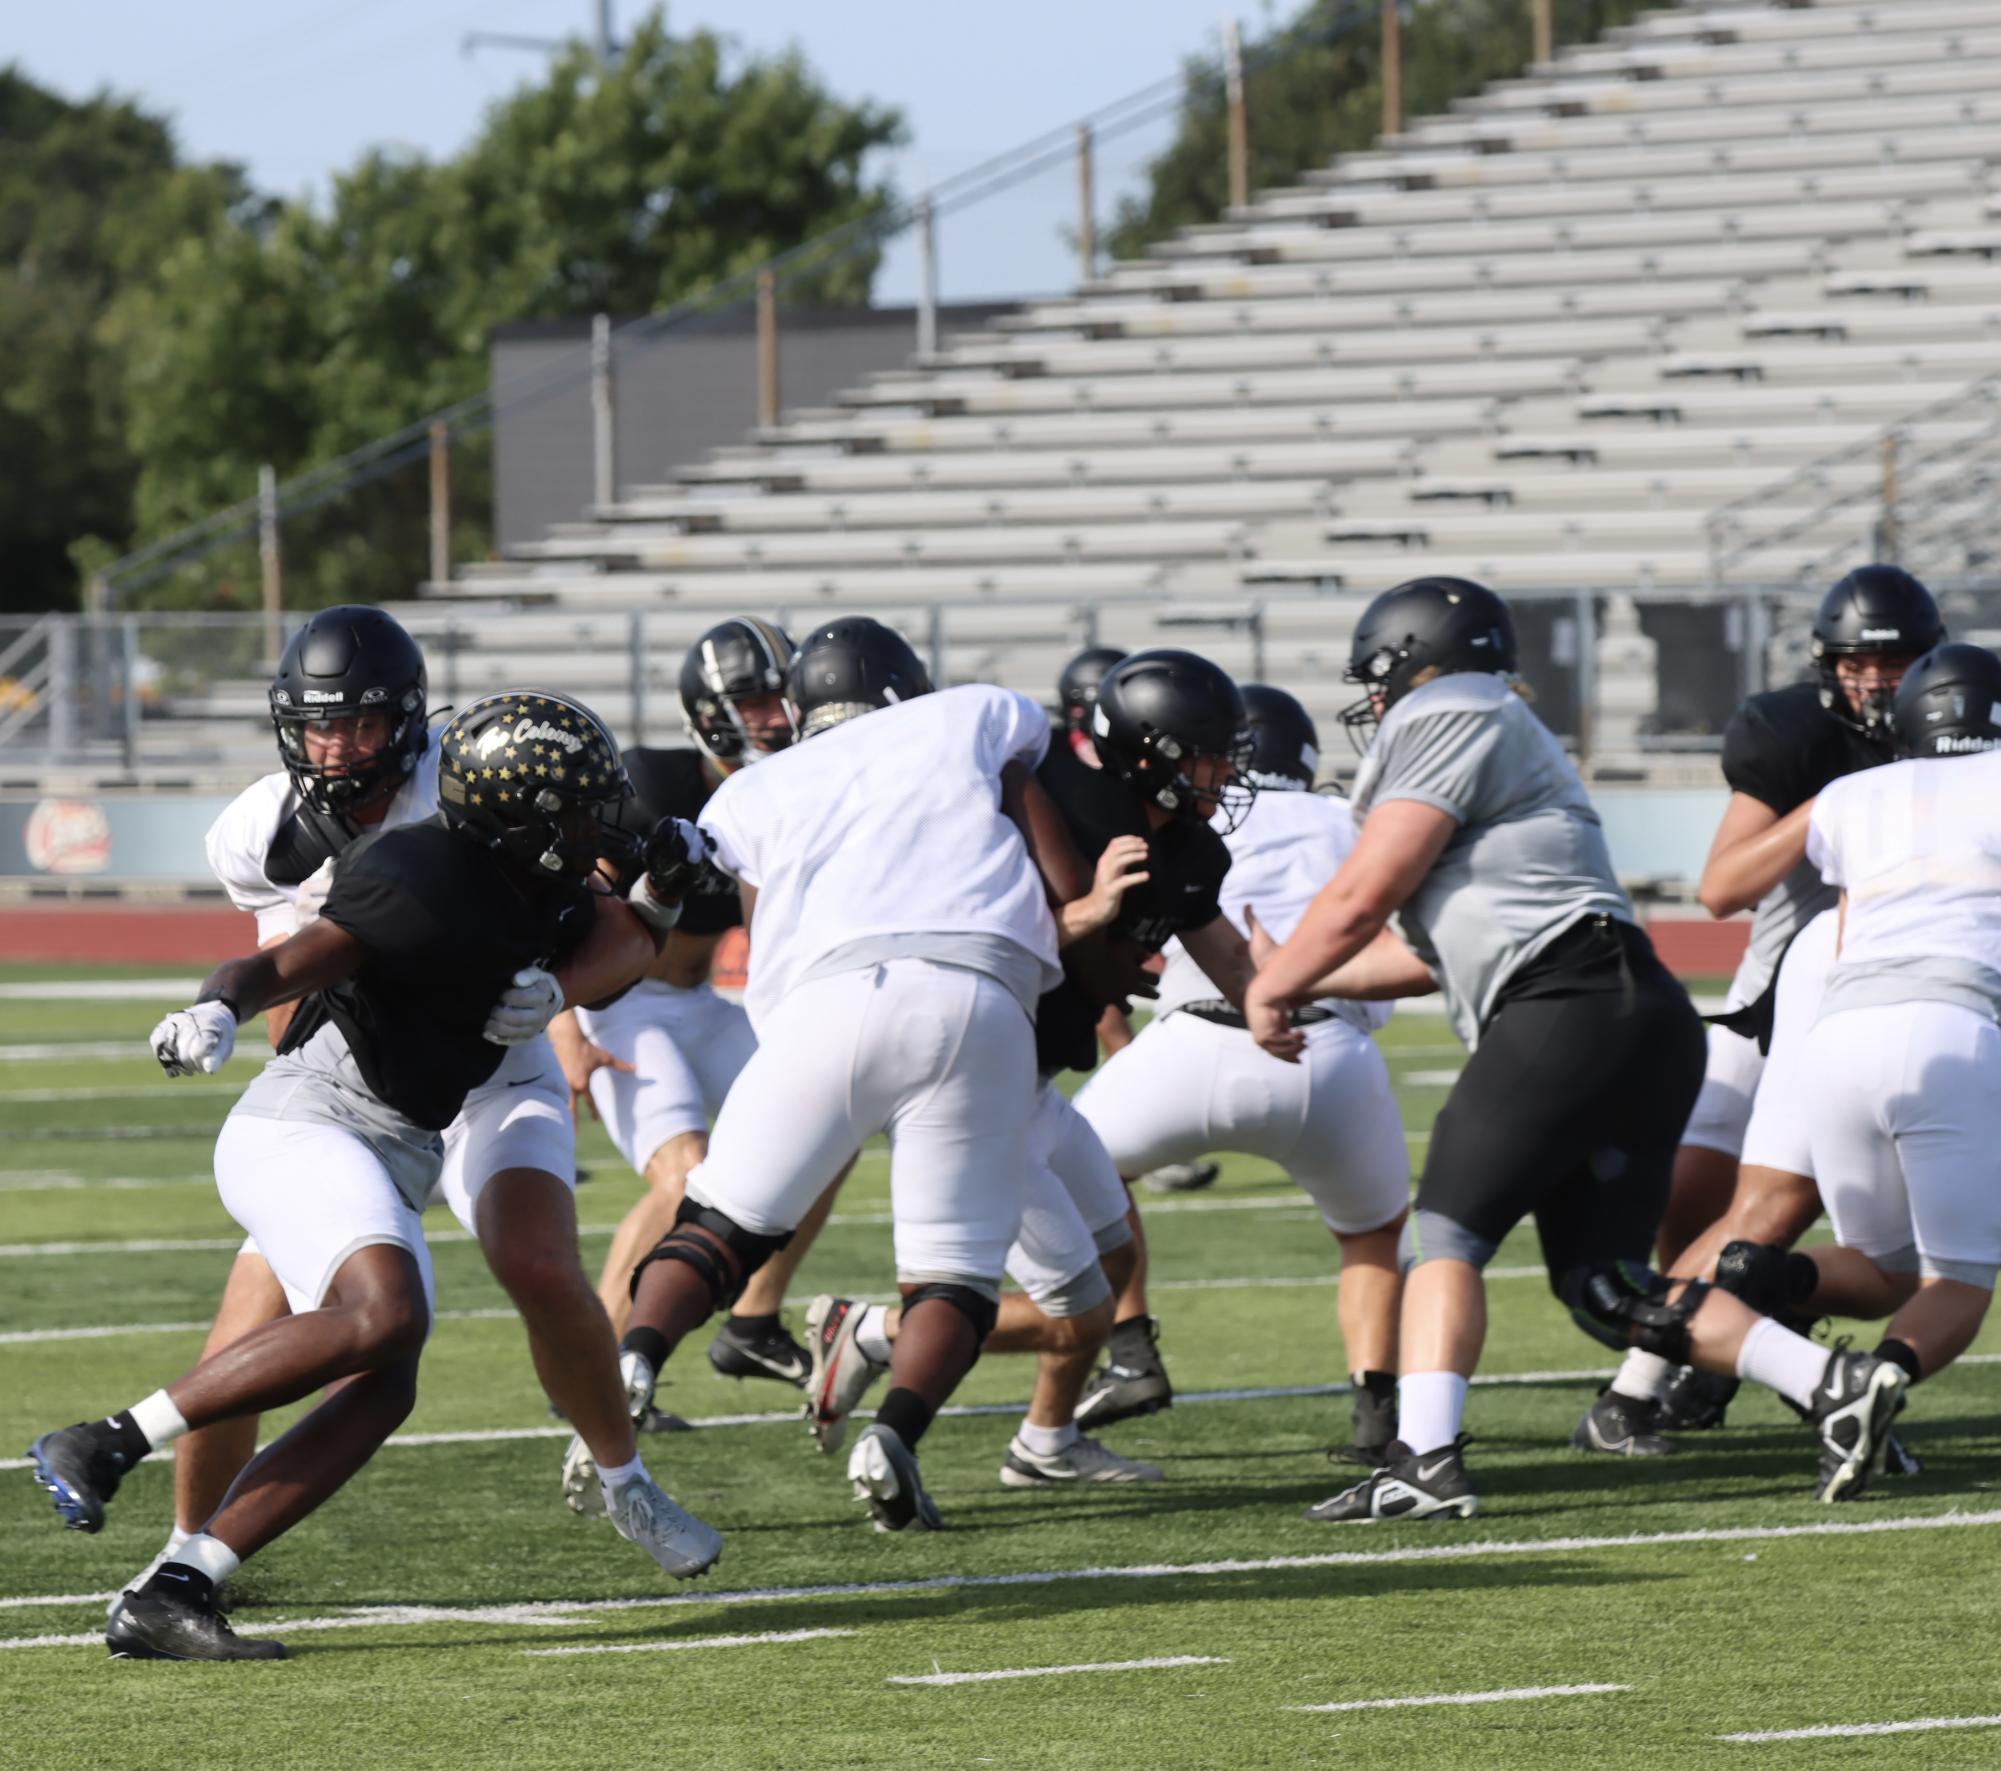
958 1411
694 1642
1521 1694
1832 1732
179 990
1430 1078
1051 1672
20 1251
102 1331
73 1048
561 1610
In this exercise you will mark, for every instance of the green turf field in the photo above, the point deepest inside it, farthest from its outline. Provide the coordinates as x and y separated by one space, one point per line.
447 1610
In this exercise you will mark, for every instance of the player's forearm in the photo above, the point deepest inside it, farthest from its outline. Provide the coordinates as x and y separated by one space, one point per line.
1738 876
615 955
1336 928
1065 878
1383 971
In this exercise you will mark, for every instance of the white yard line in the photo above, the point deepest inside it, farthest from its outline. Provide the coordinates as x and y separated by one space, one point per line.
373 1617
20 1337
179 990
1520 1694
1151 1664
1832 1732
693 1642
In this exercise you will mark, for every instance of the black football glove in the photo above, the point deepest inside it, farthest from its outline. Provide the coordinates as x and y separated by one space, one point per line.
674 857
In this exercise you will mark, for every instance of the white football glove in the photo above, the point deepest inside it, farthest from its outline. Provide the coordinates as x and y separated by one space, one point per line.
525 1009
312 894
195 1040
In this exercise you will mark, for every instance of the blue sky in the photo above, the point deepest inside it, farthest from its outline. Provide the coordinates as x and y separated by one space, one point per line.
296 91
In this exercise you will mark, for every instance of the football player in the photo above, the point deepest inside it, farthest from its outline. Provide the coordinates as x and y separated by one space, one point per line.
1584 1053
902 936
658 1062
1780 750
1170 734
409 981
1904 1049
1077 700
1195 1080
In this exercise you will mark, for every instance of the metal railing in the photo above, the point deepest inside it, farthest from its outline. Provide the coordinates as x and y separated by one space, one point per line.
1918 493
1619 672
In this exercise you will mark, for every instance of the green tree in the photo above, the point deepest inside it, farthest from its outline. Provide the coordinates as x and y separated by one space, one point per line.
1313 90
321 329
92 196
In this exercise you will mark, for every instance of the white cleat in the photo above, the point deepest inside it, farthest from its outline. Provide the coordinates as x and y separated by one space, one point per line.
642 1513
582 1491
1082 1460
841 1372
884 1472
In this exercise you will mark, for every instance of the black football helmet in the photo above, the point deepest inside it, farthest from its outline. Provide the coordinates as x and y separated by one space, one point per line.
1077 687
1875 612
1425 628
536 778
345 662
1285 747
1157 712
1949 703
736 658
849 667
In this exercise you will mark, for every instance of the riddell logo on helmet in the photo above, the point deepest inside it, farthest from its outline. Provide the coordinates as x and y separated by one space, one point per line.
321 697
1882 633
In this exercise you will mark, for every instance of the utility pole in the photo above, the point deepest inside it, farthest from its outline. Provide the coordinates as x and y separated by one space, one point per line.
601 39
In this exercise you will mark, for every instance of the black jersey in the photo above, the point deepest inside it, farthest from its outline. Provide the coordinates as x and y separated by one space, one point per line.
677 784
1186 862
1783 747
446 927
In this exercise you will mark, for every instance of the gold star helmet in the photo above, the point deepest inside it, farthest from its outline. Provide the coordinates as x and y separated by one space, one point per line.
535 777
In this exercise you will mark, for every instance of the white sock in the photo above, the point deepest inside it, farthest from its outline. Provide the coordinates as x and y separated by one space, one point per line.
872 1334
1047 1441
175 1538
1781 1360
1430 1405
612 1476
1643 1377
158 1419
211 1555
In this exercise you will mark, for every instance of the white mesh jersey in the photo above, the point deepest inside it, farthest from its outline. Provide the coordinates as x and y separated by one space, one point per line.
886 829
1289 845
239 841
1916 847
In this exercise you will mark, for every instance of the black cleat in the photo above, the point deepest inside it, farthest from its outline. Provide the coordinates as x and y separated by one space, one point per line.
884 1472
1622 1426
1857 1398
741 1352
1407 1486
82 1469
1695 1401
1132 1382
175 1616
1181 1177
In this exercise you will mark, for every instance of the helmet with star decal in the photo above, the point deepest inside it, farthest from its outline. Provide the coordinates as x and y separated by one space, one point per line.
535 777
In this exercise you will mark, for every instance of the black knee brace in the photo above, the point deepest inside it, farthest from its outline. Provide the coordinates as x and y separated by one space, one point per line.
1772 1280
681 1243
1624 1304
977 1308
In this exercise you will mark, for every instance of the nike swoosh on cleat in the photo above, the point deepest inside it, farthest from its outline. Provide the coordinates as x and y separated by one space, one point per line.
1424 1475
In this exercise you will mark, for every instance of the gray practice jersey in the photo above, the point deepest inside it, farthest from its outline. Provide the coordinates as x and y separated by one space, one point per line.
1528 859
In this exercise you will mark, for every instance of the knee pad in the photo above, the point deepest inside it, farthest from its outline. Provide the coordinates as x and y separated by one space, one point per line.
975 1305
751 1247
1623 1304
1431 1236
1772 1280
